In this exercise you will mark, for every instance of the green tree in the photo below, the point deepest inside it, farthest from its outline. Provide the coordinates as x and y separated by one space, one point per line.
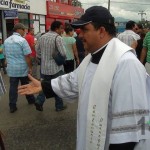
145 23
76 3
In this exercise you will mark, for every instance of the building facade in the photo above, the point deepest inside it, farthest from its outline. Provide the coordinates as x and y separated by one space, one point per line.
35 13
63 11
28 12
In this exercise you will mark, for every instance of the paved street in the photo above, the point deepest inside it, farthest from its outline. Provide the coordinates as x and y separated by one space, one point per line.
29 129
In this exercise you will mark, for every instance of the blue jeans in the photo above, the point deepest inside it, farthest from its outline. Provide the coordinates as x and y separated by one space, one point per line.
41 97
13 90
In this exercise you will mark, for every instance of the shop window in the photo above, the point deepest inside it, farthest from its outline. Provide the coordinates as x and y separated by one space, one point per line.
42 19
36 27
34 17
37 17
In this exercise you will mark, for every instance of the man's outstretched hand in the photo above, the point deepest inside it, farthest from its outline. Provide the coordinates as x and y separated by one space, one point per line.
32 88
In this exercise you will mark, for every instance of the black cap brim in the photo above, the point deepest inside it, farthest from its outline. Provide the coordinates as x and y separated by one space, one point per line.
79 23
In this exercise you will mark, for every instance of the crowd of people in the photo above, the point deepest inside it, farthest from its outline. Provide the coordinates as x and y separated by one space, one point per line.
104 72
30 51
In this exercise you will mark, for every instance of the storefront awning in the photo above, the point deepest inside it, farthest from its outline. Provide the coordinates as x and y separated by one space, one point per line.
64 11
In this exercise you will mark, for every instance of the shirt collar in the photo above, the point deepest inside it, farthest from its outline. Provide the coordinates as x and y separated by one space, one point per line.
16 33
96 56
99 49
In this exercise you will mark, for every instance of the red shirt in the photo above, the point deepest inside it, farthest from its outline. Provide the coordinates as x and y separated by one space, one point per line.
30 39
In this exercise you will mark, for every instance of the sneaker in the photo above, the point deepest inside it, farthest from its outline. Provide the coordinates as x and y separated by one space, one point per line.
60 109
38 106
12 110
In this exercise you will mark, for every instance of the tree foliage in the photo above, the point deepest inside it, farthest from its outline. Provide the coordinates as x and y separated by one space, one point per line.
76 3
145 23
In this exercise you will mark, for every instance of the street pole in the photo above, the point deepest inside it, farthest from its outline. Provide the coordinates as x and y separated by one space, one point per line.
109 5
141 13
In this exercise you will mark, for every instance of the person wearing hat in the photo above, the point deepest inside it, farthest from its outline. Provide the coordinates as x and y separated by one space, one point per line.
110 85
2 57
17 52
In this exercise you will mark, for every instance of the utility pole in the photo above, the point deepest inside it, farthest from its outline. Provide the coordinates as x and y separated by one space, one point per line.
109 5
141 13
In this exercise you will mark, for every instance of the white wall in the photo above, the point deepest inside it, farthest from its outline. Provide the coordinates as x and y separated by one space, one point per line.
38 7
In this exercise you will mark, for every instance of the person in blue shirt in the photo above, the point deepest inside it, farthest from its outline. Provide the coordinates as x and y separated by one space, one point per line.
2 57
17 51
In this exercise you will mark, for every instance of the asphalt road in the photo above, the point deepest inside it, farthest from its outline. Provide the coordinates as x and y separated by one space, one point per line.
29 129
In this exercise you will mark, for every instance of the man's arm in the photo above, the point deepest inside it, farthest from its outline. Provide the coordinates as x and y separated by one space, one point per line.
35 87
60 45
38 50
1 50
143 54
75 53
64 86
134 44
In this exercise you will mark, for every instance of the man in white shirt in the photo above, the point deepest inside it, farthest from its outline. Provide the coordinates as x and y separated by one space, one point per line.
110 84
129 36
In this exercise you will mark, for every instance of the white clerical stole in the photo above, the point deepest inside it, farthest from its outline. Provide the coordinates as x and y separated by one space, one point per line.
98 102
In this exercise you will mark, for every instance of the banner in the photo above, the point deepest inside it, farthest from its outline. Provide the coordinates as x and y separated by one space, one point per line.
20 5
10 14
62 10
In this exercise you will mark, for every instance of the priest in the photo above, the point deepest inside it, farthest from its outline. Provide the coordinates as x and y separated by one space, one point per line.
111 87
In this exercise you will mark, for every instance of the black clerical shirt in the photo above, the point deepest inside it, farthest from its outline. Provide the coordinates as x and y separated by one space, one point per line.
97 56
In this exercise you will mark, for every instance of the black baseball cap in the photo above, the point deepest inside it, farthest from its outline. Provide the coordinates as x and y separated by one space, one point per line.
96 14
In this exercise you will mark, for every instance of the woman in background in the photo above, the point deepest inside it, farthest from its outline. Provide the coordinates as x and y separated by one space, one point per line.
71 50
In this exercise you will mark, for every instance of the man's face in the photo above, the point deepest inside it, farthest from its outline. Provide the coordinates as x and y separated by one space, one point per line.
21 31
32 31
135 28
90 37
60 30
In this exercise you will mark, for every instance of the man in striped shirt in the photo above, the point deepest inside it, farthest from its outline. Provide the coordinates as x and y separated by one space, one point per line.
49 69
